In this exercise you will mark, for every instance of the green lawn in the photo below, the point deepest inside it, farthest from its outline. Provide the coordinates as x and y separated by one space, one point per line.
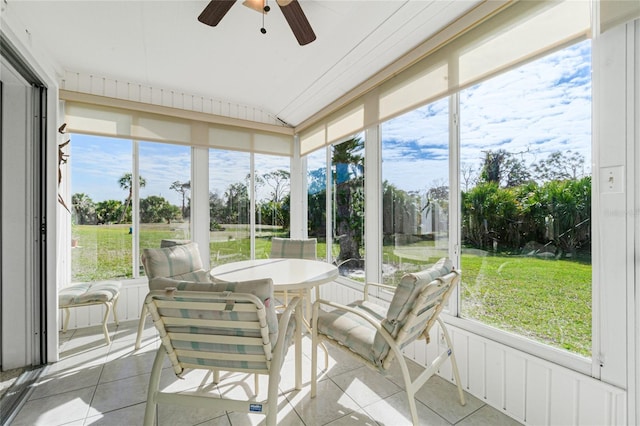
546 300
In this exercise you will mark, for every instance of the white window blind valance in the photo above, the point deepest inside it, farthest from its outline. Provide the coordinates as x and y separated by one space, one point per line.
111 121
616 12
312 139
348 121
516 35
520 32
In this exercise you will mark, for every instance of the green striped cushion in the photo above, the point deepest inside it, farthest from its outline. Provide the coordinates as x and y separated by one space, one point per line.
181 262
408 290
262 289
96 292
354 332
293 249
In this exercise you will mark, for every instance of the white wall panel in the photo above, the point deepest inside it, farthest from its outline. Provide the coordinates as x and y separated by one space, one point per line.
515 385
563 409
494 376
475 381
536 392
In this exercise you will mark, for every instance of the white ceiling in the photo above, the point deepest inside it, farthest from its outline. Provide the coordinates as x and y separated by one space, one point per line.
162 44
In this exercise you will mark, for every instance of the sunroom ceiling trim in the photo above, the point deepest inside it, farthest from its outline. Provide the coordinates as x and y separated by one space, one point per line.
111 117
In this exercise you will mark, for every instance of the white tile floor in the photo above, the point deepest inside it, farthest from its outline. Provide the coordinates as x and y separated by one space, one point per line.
96 384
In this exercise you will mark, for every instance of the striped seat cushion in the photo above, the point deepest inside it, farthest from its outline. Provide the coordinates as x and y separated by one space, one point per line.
360 336
354 332
262 289
410 286
96 292
181 262
293 249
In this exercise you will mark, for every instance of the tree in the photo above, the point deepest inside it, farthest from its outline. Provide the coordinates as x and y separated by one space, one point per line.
216 211
183 189
155 209
237 203
560 166
349 181
125 183
492 167
469 175
278 180
84 208
109 211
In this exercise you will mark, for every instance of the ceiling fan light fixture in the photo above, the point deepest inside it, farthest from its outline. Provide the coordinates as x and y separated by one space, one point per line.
257 5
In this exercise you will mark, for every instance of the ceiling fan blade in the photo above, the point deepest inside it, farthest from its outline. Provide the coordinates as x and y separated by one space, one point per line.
215 11
297 21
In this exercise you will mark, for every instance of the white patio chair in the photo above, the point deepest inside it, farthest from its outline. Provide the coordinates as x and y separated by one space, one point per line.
232 327
176 260
289 248
376 336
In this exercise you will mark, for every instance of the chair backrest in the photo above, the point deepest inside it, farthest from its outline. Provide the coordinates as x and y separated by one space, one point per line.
416 304
226 327
181 262
293 249
173 242
256 287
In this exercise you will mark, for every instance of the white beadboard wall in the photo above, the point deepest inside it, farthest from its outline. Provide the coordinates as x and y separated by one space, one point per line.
131 91
526 388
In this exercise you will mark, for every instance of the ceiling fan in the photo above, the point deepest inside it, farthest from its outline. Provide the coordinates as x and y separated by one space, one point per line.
297 20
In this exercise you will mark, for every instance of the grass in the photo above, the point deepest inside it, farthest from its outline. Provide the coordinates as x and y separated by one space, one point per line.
546 300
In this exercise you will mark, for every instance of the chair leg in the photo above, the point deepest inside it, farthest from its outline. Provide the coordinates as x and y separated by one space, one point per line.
67 314
314 354
104 322
143 316
115 308
454 364
298 348
408 387
154 383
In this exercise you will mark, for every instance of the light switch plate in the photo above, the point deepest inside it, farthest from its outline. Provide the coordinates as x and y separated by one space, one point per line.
612 179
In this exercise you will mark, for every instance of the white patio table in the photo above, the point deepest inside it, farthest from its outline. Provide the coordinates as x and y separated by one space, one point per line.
292 275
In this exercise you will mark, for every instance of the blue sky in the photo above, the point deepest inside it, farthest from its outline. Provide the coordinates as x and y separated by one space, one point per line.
536 109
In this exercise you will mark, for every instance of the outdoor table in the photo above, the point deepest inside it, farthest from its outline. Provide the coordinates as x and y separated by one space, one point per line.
291 275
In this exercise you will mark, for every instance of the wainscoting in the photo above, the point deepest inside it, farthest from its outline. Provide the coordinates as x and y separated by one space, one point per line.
524 387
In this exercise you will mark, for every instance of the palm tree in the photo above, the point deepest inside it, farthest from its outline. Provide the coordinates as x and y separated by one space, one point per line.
125 183
84 208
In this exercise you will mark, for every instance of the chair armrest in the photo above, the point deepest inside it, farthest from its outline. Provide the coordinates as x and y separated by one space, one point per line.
280 349
379 285
373 321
